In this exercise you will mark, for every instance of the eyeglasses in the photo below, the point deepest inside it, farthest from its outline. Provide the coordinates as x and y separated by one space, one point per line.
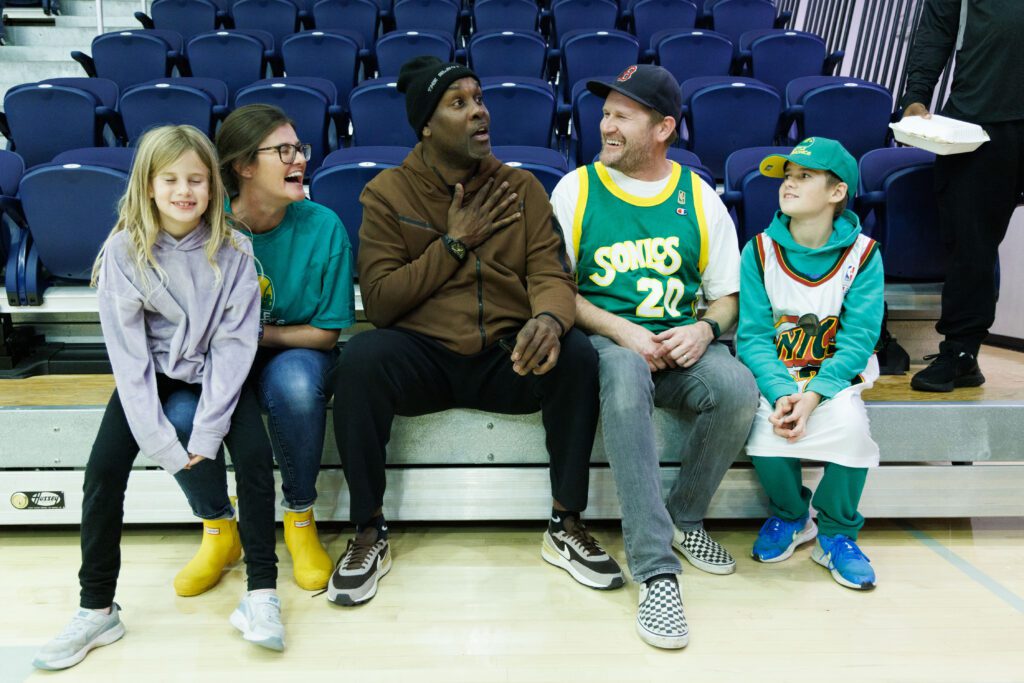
287 152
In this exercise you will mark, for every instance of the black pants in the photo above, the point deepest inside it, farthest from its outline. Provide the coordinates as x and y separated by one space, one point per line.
388 372
106 479
977 193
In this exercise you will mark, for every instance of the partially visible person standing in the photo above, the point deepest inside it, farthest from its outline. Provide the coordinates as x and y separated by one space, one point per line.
977 191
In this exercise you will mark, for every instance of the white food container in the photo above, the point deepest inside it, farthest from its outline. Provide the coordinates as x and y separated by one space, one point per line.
939 134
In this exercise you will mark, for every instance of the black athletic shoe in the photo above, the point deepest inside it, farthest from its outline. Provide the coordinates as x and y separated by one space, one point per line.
952 367
577 552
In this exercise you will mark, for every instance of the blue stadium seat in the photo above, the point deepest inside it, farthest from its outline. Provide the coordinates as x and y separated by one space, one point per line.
898 206
724 114
325 54
547 165
822 106
132 57
576 15
777 56
685 157
586 54
692 54
505 15
279 18
753 198
587 111
398 47
237 57
361 16
653 16
339 182
733 18
187 17
310 102
199 102
508 53
378 115
522 111
427 15
82 186
52 116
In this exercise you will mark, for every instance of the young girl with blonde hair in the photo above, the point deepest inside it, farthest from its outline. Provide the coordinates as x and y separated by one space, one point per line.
179 305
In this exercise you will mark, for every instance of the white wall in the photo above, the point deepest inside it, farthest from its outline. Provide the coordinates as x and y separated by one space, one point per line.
1010 310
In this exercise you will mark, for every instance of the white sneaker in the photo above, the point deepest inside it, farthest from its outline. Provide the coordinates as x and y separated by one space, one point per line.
258 617
87 630
660 620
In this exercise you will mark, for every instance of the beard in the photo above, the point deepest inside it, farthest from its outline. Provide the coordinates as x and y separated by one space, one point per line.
632 156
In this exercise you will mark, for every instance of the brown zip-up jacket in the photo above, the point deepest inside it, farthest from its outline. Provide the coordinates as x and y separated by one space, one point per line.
409 280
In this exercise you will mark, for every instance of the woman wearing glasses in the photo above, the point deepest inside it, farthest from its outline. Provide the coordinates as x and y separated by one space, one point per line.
304 263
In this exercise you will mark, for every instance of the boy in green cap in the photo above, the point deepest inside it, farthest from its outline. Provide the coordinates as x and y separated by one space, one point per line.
811 302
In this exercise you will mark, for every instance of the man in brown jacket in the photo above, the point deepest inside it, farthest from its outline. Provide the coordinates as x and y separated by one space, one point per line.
463 271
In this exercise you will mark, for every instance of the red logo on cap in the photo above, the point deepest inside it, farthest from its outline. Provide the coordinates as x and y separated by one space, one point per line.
625 75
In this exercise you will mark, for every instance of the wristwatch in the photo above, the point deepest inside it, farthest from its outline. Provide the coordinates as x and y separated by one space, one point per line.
455 247
716 331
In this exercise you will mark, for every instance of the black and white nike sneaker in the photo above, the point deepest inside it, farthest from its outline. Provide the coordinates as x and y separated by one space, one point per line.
573 549
366 560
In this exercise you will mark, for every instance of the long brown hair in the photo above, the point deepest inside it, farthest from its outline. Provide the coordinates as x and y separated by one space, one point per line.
240 136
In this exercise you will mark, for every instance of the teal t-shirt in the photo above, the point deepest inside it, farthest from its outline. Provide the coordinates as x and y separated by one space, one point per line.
305 269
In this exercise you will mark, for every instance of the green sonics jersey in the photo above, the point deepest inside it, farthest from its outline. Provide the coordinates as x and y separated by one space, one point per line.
641 258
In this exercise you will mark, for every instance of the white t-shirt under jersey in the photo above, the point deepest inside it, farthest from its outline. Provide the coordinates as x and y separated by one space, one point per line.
722 275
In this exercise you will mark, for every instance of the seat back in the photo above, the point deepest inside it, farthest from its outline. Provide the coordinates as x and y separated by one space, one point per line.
729 115
577 15
827 108
149 105
427 15
733 18
653 16
778 57
398 47
586 121
586 54
361 16
508 53
759 193
132 57
279 18
47 119
547 165
323 54
187 17
230 56
522 111
691 54
378 115
306 101
505 15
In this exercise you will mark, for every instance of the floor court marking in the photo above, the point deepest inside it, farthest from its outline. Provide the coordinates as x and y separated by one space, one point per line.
978 576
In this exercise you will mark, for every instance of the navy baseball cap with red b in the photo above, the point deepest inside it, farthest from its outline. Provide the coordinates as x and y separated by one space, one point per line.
651 86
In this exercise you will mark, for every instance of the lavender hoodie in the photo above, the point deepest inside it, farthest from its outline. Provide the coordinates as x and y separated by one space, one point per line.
192 330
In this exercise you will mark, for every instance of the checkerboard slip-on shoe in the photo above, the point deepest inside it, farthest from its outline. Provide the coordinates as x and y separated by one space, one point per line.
365 562
311 565
703 552
221 548
846 562
258 617
951 368
87 630
573 549
778 538
660 620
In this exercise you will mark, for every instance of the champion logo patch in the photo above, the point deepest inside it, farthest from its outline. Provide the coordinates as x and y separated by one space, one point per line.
680 211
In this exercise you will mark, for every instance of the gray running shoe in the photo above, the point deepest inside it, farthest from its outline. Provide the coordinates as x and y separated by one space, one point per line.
87 630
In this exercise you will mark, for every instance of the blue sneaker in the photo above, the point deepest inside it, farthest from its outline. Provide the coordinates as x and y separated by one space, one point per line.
778 538
848 565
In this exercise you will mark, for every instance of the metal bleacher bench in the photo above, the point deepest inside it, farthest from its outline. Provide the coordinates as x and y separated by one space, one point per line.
471 465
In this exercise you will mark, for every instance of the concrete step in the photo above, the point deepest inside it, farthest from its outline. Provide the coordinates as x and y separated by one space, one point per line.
52 36
14 57
110 22
111 8
37 71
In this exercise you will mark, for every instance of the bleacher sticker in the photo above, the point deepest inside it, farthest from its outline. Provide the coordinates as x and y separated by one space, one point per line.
38 500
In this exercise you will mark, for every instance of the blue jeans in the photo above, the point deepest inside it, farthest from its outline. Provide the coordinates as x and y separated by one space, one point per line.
716 399
293 387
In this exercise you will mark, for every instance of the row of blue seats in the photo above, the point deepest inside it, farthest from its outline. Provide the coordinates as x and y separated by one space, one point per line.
456 17
720 114
62 211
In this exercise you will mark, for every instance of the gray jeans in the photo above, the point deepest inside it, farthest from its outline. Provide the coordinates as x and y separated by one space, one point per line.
716 399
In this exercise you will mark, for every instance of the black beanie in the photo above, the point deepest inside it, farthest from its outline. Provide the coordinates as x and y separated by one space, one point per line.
424 81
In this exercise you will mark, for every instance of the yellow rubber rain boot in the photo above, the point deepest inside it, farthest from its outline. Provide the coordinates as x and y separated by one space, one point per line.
311 564
221 547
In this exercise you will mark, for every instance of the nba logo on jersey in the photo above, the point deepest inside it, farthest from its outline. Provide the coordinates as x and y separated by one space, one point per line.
681 198
849 273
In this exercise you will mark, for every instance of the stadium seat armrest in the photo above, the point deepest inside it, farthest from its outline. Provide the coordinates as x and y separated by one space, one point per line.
220 111
5 129
86 62
460 55
225 20
11 206
145 20
783 19
113 119
832 63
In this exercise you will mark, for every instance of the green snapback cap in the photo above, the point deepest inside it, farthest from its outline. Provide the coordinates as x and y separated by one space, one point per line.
824 154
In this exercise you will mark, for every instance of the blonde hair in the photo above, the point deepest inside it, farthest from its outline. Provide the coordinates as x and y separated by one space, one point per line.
137 212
